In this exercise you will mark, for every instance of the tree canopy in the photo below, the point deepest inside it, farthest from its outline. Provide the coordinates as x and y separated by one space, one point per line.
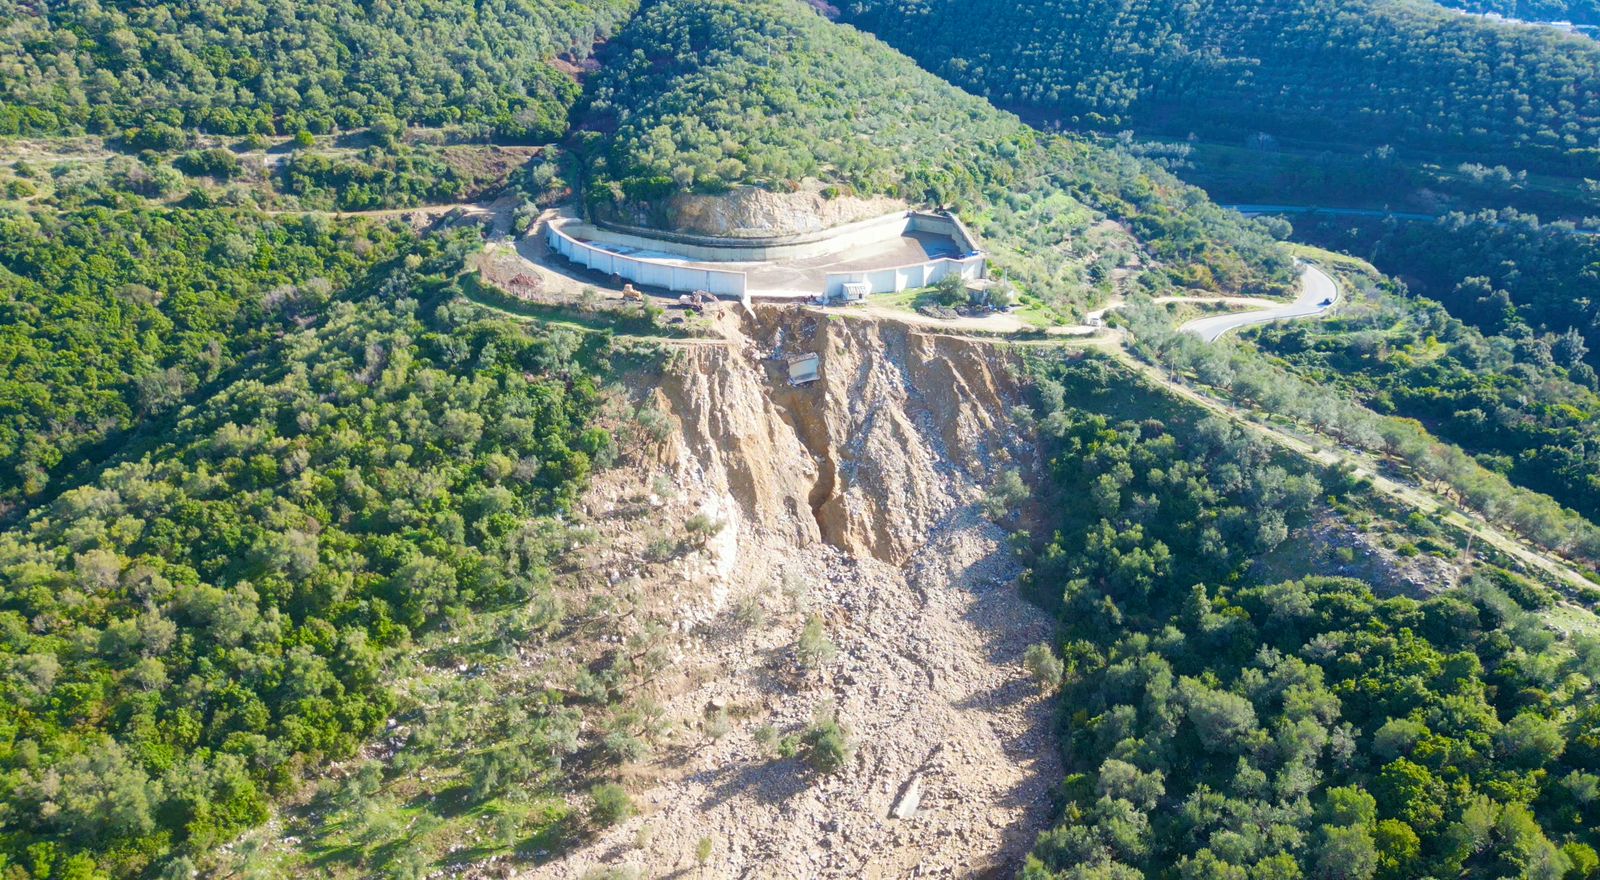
1219 725
703 95
1367 72
208 615
155 70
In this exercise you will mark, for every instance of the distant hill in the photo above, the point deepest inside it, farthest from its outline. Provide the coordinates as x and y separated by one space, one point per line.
1357 72
1575 11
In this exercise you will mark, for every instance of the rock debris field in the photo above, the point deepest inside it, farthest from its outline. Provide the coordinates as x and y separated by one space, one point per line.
854 500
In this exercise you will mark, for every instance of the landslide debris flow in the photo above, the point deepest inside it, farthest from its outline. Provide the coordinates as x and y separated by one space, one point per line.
853 500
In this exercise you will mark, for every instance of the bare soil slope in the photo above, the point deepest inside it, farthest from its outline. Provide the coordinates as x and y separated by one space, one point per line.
855 499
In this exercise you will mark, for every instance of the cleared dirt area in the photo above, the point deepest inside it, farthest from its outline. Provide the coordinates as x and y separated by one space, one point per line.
854 500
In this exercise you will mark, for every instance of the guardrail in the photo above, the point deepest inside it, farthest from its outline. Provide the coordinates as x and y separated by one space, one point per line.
653 273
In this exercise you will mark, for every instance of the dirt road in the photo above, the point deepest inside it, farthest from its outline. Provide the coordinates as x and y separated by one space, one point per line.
1411 496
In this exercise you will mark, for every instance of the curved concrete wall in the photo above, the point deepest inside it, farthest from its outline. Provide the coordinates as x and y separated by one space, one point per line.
971 263
839 239
711 250
655 273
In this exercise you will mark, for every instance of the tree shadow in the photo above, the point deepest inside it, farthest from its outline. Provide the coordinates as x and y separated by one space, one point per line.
447 803
772 782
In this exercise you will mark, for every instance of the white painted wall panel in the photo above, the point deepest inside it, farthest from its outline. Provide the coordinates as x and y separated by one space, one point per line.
655 273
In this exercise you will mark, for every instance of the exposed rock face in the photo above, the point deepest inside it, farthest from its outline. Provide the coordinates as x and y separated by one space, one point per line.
749 212
734 438
854 498
903 428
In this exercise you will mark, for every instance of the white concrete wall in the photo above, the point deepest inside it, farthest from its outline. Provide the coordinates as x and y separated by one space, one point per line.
706 249
655 273
898 278
677 277
948 225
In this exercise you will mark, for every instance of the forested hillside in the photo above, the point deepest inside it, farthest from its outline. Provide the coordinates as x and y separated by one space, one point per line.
702 95
303 571
207 619
150 70
1365 72
111 317
1219 728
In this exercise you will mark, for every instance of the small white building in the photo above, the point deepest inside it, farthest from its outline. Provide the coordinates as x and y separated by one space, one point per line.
850 292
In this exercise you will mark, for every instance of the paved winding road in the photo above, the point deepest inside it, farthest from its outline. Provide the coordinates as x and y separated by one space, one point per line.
1318 293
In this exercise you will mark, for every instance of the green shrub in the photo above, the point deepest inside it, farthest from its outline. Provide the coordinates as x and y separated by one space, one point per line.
610 804
827 745
1045 667
814 649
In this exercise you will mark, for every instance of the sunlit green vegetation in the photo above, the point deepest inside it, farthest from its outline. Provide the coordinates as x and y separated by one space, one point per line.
1502 272
287 521
208 618
112 317
707 94
1219 727
1523 402
154 72
1240 374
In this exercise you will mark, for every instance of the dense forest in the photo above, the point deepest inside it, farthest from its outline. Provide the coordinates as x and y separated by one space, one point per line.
1361 72
377 179
151 71
113 317
399 175
1373 178
701 95
1217 727
207 618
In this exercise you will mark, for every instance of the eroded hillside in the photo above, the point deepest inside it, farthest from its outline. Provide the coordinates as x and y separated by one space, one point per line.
853 501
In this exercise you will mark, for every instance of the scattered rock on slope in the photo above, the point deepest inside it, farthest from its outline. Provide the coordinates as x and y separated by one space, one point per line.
854 499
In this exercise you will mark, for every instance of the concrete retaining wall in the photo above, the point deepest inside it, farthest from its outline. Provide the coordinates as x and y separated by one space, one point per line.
971 262
654 273
898 278
727 250
948 225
